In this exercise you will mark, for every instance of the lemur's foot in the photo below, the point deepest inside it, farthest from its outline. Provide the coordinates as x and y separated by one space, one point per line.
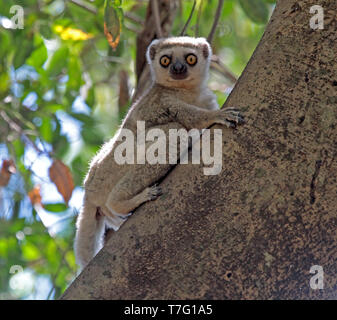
153 192
232 117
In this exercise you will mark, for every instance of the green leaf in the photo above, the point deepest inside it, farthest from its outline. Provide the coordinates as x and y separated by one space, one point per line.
46 129
87 120
90 100
17 225
30 251
45 29
55 207
79 166
3 247
256 10
58 62
70 258
5 42
19 148
91 136
228 7
116 3
4 82
22 52
38 57
75 74
60 146
52 254
54 107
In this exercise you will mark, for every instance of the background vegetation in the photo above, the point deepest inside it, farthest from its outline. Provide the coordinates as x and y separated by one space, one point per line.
63 92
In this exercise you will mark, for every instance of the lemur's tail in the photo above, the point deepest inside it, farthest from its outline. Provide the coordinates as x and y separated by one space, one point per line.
89 234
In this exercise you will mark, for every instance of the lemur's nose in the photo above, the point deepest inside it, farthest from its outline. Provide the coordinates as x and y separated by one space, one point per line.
178 67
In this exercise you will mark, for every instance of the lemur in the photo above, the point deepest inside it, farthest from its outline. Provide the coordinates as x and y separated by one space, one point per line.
178 98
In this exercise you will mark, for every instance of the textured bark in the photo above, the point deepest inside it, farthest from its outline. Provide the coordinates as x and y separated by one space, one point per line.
253 231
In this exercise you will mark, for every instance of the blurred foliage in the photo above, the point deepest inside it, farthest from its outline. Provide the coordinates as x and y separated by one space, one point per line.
59 93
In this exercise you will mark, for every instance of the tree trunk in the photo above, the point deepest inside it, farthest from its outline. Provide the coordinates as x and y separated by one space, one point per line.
255 230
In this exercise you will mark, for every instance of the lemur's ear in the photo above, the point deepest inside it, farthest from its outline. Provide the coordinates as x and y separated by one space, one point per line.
151 51
206 50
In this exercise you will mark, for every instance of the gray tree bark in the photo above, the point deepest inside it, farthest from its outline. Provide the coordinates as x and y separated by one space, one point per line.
255 230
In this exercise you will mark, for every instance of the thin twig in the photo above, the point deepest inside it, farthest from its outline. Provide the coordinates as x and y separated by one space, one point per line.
84 5
217 65
14 126
189 19
92 9
54 276
216 20
197 26
134 18
156 14
131 27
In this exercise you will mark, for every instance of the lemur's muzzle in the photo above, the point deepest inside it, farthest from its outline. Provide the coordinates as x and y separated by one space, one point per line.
178 70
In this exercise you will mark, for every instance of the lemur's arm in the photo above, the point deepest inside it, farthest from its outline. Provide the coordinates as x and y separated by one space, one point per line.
191 116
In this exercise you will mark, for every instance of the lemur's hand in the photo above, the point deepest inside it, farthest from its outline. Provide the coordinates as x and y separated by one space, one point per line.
230 117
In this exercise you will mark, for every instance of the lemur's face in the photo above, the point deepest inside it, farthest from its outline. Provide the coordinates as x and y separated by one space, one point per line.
181 62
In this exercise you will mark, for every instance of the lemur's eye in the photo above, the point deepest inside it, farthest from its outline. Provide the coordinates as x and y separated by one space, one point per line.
165 61
191 59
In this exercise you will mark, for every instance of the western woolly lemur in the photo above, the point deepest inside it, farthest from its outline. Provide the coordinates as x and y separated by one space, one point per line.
178 98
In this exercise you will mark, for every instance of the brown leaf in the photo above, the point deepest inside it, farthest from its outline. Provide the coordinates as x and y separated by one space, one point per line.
35 195
113 16
60 174
113 42
8 168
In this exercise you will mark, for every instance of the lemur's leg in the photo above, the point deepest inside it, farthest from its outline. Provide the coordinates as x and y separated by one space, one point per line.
137 185
122 202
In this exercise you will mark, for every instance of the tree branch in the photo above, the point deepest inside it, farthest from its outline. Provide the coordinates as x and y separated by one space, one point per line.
216 21
198 19
156 14
182 33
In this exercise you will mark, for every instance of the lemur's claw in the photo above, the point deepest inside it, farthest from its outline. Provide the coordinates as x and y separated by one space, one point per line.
234 117
154 192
